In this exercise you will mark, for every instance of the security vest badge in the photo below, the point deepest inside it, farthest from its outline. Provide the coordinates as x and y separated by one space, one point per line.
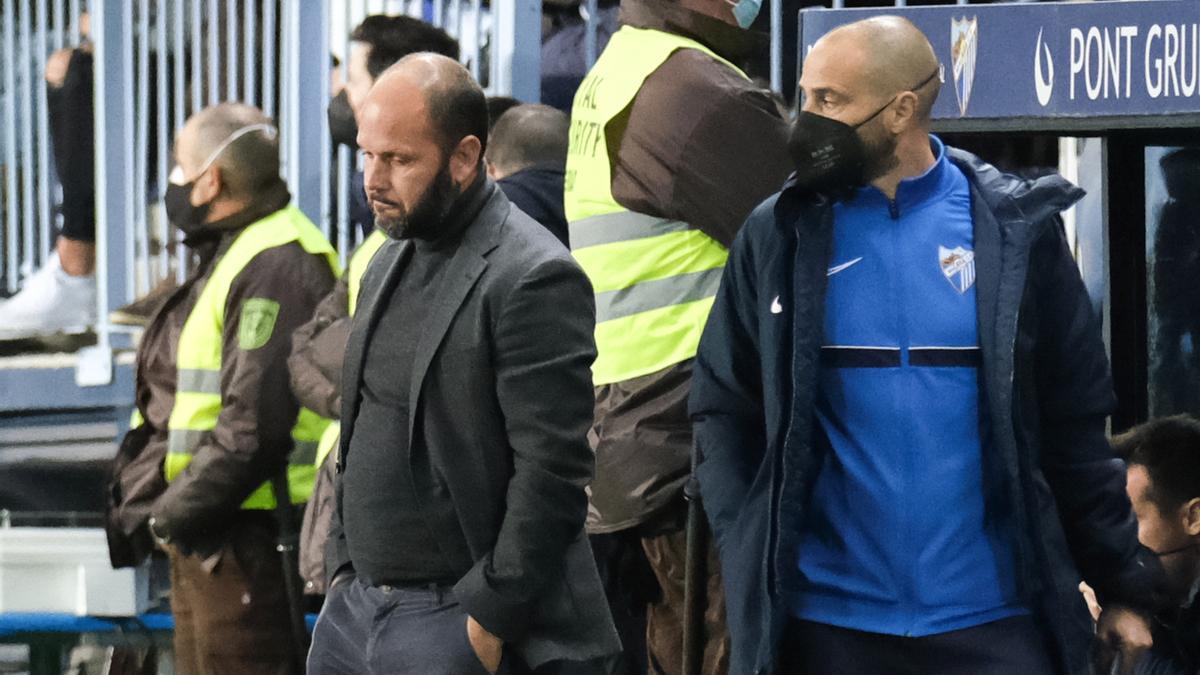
257 322
958 266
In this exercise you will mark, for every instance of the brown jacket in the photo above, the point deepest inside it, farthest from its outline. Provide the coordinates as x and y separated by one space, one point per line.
703 145
315 366
252 438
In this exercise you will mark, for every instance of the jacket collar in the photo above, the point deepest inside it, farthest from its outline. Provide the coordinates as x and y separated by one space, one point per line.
1013 199
912 192
271 200
728 41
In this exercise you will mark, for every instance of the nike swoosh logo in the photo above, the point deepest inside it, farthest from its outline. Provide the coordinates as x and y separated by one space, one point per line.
839 268
776 308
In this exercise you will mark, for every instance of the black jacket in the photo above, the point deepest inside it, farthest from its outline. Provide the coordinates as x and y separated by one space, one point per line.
1052 479
1176 648
538 191
501 402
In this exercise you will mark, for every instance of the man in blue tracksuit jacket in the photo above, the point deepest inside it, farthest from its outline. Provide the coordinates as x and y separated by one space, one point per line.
900 402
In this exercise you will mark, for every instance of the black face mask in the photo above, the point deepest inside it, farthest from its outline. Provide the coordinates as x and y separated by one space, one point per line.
342 126
831 158
181 212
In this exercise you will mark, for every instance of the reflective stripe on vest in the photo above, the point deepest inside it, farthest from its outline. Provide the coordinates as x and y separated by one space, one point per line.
654 278
198 384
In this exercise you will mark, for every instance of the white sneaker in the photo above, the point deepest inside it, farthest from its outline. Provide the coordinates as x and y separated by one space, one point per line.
50 302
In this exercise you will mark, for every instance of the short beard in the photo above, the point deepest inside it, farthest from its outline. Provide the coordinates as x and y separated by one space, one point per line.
879 157
426 217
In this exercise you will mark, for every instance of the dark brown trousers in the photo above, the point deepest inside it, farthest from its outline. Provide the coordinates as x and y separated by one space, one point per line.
667 554
232 617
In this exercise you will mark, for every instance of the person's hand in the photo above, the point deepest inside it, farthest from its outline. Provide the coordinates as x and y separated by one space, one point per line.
488 648
1090 597
1126 632
56 67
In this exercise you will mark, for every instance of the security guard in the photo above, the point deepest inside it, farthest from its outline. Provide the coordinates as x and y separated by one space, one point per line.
671 147
213 394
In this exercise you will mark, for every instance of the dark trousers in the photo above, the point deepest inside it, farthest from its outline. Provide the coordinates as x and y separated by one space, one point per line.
667 554
364 630
395 631
233 617
1006 647
629 586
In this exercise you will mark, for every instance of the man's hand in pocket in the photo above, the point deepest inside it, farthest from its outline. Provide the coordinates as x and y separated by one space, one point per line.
488 647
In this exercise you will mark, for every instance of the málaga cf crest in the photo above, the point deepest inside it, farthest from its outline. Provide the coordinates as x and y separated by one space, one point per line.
958 266
964 40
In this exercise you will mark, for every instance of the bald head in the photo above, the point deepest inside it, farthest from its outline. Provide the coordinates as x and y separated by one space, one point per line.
527 135
886 55
455 105
422 131
249 160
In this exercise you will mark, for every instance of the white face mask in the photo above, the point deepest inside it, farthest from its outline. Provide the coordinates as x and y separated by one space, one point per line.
269 130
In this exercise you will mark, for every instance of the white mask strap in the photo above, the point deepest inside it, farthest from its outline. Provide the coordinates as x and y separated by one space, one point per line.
267 129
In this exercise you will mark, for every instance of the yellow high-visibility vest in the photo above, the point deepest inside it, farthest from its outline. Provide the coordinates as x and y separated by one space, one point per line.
357 266
354 273
655 279
198 387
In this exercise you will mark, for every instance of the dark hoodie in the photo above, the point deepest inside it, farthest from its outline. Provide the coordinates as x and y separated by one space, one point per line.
1051 480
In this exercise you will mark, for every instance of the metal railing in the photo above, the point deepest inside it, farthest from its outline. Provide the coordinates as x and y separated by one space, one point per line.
156 62
28 194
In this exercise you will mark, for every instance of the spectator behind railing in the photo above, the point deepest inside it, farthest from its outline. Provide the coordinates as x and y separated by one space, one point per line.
1163 457
61 296
527 157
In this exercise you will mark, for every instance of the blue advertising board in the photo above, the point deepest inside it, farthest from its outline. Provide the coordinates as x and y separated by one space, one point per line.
1055 65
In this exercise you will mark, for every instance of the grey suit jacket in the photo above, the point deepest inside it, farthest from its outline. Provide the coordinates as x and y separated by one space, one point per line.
502 390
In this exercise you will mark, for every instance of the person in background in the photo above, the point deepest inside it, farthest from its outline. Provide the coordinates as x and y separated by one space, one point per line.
458 544
375 44
1162 458
527 157
671 147
564 46
214 410
497 106
901 398
61 296
1174 294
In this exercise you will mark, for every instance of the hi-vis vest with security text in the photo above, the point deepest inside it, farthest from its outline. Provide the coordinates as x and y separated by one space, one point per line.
198 389
355 270
654 278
